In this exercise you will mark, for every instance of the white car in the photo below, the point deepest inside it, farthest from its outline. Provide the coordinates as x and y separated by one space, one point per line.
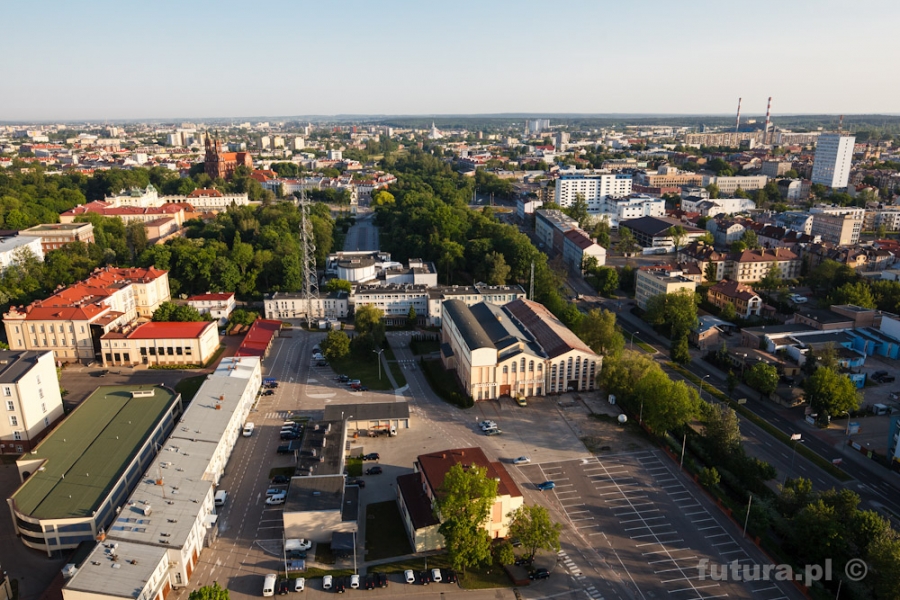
299 584
522 460
304 545
248 429
409 576
354 582
798 299
436 575
488 425
276 499
326 582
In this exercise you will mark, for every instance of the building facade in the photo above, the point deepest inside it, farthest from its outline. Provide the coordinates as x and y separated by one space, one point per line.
653 281
31 399
219 306
161 343
746 302
219 164
594 187
56 235
834 158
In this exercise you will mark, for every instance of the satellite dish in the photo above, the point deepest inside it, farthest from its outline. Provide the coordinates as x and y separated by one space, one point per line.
622 419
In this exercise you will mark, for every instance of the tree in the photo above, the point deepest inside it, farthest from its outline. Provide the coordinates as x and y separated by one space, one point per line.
209 592
598 330
750 239
711 272
722 431
136 237
677 312
737 247
829 275
709 477
505 554
369 326
336 345
532 525
681 353
463 506
713 190
830 392
621 373
728 312
858 294
607 281
493 269
678 234
578 210
338 285
627 243
772 279
762 377
626 279
185 313
411 316
707 238
602 232
667 404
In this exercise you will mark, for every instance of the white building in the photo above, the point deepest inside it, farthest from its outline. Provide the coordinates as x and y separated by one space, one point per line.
653 281
577 247
12 249
720 206
729 185
219 306
595 187
169 519
834 157
31 398
634 206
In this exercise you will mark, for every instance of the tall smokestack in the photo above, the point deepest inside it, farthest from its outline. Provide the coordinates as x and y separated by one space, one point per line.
841 125
737 124
768 113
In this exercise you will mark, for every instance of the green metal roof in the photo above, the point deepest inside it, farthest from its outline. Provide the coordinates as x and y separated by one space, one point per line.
88 453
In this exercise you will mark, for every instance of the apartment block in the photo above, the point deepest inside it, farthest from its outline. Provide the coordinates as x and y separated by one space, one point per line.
31 399
653 281
834 157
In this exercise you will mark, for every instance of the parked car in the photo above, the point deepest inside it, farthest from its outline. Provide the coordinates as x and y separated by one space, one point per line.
281 479
354 582
887 379
523 560
493 431
273 491
487 425
372 456
521 401
449 575
322 363
436 575
539 574
361 388
409 576
522 460
284 587
303 544
382 580
340 585
276 499
798 299
284 449
327 582
424 577
374 471
299 584
357 481
268 393
342 378
289 435
369 583
547 485
296 554
353 382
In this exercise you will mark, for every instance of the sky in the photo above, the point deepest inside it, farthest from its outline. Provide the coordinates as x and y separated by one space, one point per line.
164 59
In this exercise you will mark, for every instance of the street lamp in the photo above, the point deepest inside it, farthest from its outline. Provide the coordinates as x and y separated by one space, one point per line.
700 385
379 352
632 339
641 417
743 364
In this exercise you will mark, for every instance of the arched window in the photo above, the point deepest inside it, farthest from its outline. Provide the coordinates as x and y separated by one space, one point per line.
505 369
531 365
514 367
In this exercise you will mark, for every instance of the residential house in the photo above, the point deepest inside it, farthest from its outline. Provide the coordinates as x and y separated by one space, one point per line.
219 305
725 231
746 302
703 254
753 265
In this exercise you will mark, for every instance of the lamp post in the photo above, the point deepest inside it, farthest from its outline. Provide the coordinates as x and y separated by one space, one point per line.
641 416
747 518
700 385
379 352
631 347
743 364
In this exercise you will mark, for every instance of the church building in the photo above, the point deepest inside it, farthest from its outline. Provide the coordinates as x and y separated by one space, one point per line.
222 164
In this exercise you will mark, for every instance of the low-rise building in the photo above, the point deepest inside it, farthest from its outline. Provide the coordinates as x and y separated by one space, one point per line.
293 305
550 227
718 206
754 265
653 281
703 254
577 247
161 343
32 398
725 231
746 302
54 236
655 232
729 185
219 305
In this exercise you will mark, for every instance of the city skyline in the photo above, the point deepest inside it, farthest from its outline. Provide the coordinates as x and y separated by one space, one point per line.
100 61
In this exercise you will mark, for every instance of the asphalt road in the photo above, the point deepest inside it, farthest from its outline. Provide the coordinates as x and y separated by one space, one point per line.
363 235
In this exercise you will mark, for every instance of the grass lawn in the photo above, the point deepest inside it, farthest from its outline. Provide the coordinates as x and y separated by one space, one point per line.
324 554
647 347
396 371
426 347
188 387
439 561
366 370
354 466
385 533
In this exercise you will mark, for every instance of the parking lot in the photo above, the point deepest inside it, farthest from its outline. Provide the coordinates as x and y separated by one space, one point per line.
650 525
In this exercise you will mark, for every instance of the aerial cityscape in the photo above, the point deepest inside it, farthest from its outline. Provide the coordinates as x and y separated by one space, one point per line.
290 311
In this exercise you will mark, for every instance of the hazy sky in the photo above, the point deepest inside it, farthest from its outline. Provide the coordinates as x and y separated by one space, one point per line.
122 59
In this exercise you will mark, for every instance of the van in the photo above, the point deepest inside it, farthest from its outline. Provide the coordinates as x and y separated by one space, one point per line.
269 584
248 429
220 498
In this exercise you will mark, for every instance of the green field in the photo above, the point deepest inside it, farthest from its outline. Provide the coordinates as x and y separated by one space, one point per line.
385 532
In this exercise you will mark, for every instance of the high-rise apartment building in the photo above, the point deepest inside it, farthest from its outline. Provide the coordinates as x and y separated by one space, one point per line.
595 188
834 156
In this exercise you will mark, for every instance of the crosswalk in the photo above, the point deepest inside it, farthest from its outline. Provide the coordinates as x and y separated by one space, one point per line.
281 414
575 571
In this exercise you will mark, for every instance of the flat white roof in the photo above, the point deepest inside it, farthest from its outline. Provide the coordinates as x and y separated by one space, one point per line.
125 577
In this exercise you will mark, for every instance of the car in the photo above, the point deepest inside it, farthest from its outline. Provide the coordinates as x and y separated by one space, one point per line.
487 425
283 587
357 481
355 386
798 299
436 575
449 575
879 374
322 363
369 582
381 580
547 485
372 456
296 554
354 582
516 542
304 544
342 378
279 479
887 379
353 382
524 560
248 429
316 350
522 460
327 582
493 431
284 449
289 435
272 491
521 401
424 577
361 388
539 574
409 576
275 499
299 584
268 393
374 471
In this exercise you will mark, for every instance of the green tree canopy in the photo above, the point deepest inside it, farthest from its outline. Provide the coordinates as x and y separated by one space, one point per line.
169 311
598 330
338 285
762 377
209 592
830 392
607 281
667 404
531 523
676 312
463 506
858 294
336 345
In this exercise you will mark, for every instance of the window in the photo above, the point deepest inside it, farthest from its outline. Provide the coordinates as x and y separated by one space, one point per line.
13 420
46 421
17 435
41 394
38 378
10 405
108 357
7 391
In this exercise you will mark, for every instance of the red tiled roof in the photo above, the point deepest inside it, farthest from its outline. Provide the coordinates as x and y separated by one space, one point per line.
734 289
170 330
205 193
258 338
554 337
220 296
436 465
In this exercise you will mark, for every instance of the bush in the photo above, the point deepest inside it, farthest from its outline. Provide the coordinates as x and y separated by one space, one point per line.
709 477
